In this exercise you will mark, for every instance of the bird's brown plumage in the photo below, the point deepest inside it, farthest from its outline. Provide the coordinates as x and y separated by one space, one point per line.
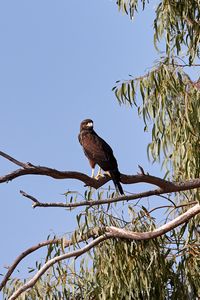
99 152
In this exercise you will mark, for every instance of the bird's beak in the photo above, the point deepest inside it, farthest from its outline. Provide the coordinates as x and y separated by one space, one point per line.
90 124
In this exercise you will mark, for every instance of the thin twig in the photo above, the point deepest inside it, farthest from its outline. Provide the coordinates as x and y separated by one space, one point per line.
15 161
173 207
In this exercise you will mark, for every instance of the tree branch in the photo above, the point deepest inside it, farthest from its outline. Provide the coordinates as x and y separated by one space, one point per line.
110 232
54 260
66 243
175 187
15 161
30 169
185 217
23 255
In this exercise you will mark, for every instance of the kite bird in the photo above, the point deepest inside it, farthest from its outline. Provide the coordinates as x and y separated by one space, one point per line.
99 152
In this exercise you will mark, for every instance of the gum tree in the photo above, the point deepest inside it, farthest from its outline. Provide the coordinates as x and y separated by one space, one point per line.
129 255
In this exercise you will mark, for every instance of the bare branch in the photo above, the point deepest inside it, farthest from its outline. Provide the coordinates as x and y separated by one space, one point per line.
30 169
30 197
110 232
174 187
141 169
185 217
173 206
15 161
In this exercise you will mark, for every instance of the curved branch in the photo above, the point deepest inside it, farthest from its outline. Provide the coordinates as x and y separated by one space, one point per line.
54 260
185 217
23 255
30 169
66 243
110 232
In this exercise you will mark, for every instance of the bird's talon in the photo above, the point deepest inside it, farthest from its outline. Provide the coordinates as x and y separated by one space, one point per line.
99 176
107 173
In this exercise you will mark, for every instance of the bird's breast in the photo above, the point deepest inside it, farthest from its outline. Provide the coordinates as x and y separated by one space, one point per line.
86 138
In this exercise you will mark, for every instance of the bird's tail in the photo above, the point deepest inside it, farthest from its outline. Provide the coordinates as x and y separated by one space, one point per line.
115 175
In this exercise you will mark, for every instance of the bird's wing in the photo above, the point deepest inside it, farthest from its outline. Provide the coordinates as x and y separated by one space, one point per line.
96 148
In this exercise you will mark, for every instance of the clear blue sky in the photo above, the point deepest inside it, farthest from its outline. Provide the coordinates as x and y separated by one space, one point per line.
58 63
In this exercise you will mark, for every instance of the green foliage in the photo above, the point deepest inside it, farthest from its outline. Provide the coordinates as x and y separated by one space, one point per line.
166 98
177 23
169 103
131 6
142 270
171 106
51 286
162 268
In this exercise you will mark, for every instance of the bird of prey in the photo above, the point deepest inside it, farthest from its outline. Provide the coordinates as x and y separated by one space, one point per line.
99 152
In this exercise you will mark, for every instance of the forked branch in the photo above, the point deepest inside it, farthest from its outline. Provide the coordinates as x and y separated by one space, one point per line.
177 187
165 186
110 232
66 243
30 169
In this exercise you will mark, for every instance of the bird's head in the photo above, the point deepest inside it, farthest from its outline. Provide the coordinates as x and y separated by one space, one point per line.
86 124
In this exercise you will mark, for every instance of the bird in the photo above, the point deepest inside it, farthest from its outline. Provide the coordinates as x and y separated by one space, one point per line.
99 153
